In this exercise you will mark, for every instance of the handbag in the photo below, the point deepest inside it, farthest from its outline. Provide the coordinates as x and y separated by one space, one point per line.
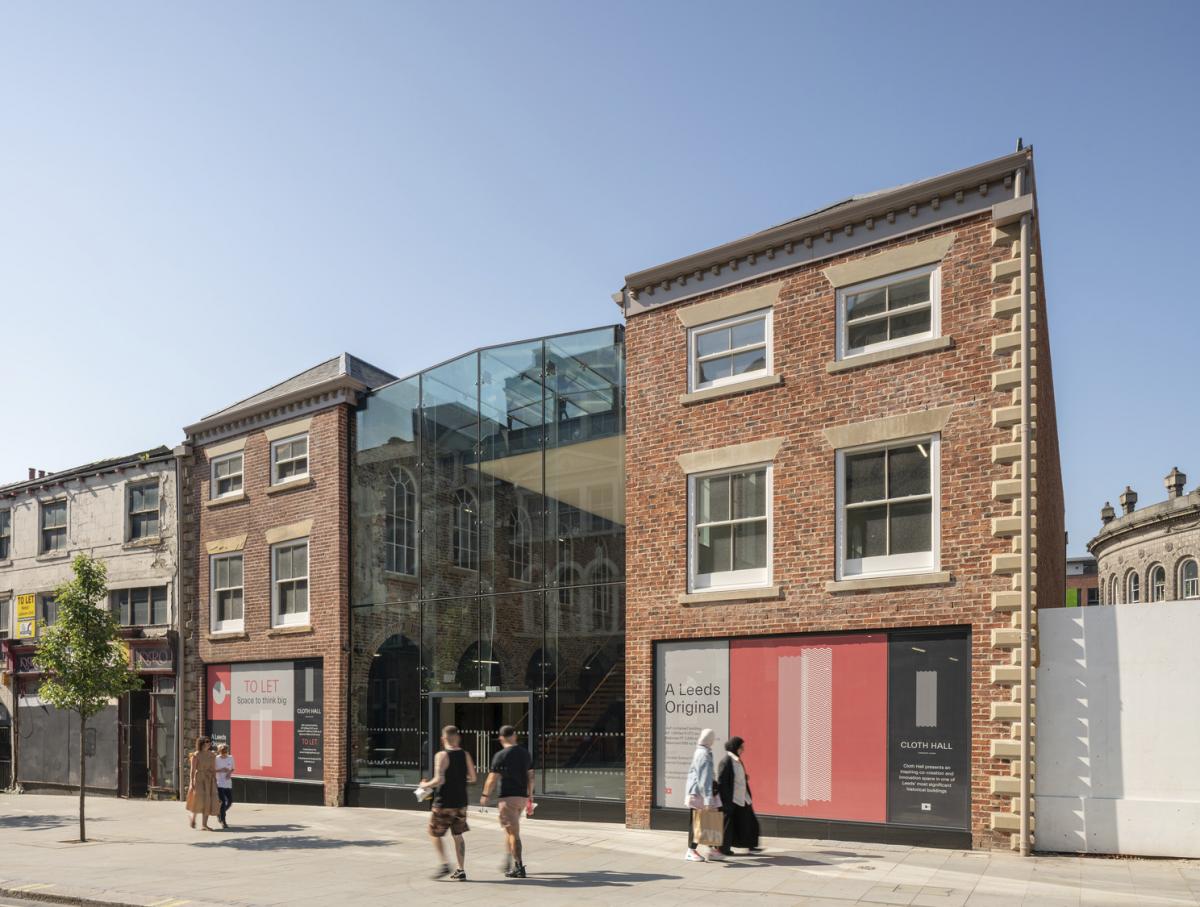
695 801
708 827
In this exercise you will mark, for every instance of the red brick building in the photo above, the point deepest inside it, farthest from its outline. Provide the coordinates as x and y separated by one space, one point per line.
265 529
1082 583
823 502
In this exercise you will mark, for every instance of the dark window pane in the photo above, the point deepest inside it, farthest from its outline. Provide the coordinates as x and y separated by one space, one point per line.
908 471
140 603
871 302
750 545
749 494
912 323
714 549
866 532
911 527
860 335
715 369
864 477
908 293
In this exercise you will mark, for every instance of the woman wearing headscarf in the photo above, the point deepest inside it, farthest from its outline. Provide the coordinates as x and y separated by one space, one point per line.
733 784
700 792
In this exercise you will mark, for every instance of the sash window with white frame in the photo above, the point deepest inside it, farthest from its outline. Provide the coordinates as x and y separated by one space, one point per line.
289 583
289 459
1158 584
889 312
5 534
5 617
226 475
729 523
400 525
1189 580
888 510
227 592
728 351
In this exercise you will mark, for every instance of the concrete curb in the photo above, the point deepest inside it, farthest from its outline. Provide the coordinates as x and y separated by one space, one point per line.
50 897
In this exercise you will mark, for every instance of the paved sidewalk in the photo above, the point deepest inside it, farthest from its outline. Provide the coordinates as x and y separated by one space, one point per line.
144 854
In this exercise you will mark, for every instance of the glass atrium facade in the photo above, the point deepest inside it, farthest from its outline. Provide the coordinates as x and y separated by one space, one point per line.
488 564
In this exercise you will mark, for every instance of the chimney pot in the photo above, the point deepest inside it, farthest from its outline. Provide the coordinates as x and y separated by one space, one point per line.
1128 500
1107 514
1175 481
32 473
41 473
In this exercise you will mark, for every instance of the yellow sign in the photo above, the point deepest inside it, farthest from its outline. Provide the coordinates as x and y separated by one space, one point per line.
26 628
26 607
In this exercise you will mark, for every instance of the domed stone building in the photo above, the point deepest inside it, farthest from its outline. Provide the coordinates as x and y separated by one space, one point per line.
1152 554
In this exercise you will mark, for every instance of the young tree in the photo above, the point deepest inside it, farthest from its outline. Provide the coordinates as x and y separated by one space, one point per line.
82 660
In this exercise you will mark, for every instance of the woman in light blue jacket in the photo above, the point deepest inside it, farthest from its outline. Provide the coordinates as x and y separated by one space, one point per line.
699 792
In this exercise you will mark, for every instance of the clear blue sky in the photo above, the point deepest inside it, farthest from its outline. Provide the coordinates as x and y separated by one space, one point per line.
198 200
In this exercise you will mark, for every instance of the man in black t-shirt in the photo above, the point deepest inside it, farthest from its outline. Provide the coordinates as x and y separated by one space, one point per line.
512 769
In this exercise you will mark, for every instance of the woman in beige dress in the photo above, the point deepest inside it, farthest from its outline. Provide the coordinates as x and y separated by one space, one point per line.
202 789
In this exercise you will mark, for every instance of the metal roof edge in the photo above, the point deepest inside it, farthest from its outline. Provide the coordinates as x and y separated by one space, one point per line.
160 454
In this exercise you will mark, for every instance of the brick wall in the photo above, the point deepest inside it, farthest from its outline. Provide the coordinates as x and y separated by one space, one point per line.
810 399
325 502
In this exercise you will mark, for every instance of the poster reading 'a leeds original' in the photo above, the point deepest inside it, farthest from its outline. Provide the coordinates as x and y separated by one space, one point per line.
271 714
929 730
691 694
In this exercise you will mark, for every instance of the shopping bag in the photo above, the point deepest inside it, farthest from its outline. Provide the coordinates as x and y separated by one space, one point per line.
708 827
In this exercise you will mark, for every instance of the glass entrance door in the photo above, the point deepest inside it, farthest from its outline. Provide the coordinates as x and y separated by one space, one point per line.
478 721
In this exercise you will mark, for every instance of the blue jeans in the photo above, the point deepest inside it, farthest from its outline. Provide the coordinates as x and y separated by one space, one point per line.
226 796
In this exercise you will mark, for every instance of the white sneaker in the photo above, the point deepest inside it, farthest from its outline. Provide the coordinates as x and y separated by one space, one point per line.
693 856
714 854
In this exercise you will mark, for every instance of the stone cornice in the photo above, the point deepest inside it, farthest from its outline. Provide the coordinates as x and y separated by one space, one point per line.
834 231
1160 515
281 409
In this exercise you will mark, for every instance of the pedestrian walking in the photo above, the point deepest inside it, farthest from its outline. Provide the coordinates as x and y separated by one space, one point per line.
453 770
733 784
512 770
700 793
224 767
202 786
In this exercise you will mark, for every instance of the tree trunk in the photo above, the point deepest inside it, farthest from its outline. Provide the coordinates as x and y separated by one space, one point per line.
82 774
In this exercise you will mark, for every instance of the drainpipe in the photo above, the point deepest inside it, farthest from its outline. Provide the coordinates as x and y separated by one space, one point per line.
181 453
1026 534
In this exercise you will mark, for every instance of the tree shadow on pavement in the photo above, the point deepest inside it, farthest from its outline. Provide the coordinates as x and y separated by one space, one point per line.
289 842
599 878
261 829
44 823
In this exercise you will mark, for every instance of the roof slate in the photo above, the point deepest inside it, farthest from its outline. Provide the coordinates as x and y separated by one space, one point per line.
337 367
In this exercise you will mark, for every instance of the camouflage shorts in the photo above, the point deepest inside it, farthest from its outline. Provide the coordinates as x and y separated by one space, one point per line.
443 819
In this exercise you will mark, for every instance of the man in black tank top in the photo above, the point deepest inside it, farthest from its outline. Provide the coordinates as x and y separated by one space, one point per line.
453 770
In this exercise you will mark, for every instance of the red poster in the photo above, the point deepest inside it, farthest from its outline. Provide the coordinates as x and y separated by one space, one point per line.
252 707
813 712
